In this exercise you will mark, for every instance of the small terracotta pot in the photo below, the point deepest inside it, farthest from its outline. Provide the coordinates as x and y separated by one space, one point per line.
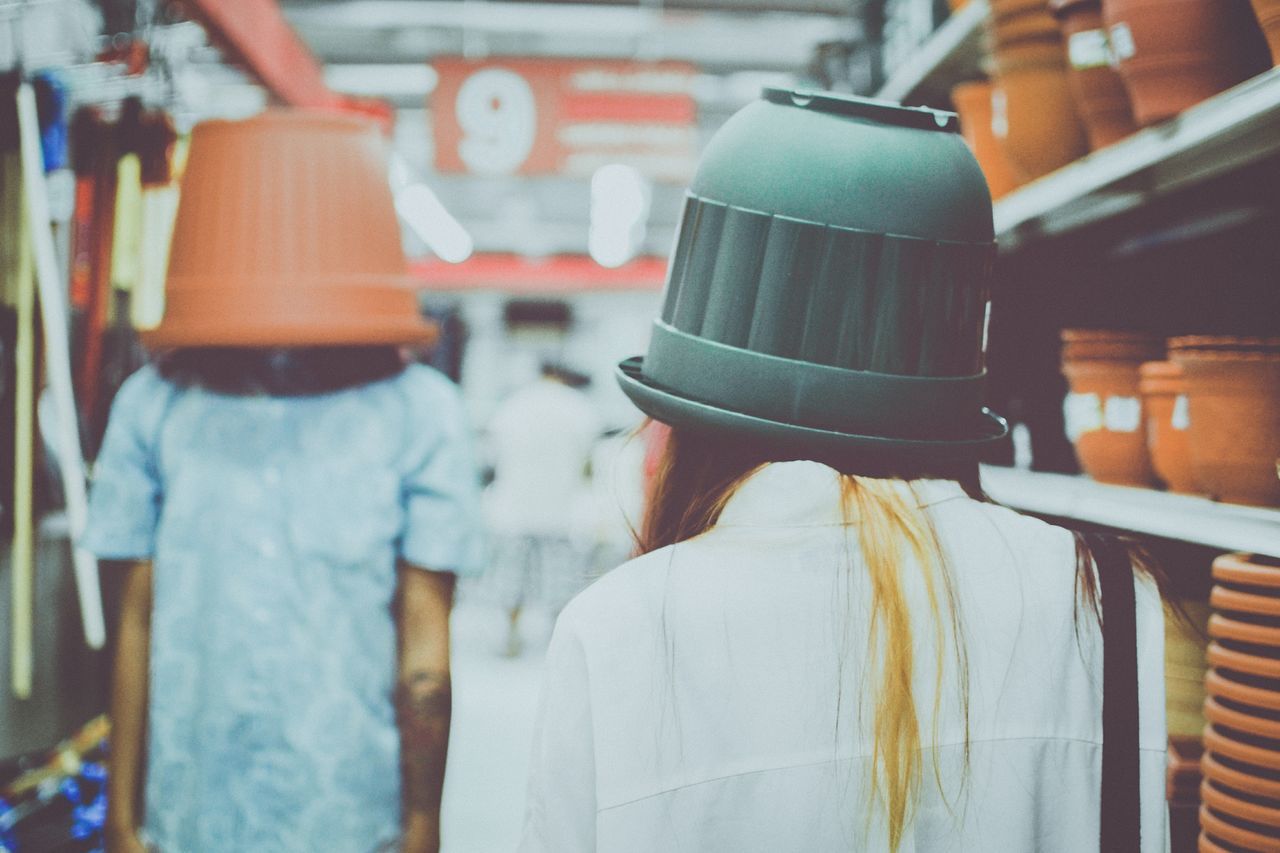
1034 118
973 103
1032 23
1234 406
1216 712
1268 12
1244 569
1102 101
1165 401
1217 684
1219 772
1225 628
1110 344
1215 826
1225 658
1225 803
1173 54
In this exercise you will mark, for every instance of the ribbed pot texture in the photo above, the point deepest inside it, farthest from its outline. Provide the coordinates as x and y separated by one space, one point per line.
1100 96
973 103
1234 409
1034 118
287 235
1268 12
1173 54
1165 401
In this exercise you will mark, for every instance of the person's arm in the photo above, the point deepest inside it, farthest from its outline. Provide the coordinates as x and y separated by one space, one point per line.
129 712
424 701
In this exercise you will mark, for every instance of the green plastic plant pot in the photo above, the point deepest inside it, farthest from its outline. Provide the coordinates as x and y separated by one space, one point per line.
829 284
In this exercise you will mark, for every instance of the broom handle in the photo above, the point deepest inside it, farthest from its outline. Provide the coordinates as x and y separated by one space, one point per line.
22 547
58 366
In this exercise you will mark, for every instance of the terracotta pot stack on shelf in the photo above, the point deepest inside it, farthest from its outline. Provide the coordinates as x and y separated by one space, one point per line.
1241 763
973 102
1104 412
1233 396
1033 113
1164 399
1100 96
1172 54
1268 12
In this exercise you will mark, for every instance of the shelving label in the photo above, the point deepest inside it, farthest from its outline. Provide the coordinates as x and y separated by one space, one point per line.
1089 49
1122 414
1181 419
1122 46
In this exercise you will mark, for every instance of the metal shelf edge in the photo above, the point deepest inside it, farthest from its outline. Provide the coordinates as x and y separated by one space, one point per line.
935 51
1178 517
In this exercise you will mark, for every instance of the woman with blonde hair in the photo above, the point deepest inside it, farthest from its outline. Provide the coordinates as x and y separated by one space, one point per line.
829 641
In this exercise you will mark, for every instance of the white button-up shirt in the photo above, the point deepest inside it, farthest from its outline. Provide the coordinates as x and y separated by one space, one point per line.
714 695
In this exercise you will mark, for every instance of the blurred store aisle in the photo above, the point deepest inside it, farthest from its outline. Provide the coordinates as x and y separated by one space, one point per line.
495 699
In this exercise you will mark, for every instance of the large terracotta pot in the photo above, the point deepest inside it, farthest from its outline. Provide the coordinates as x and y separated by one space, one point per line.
1226 628
1173 54
1268 12
1101 99
1165 401
287 235
1104 413
1247 570
1216 711
973 102
1233 393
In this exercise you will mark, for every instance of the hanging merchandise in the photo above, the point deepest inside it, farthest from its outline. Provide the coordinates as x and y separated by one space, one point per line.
256 262
53 313
1233 392
766 274
1100 97
157 155
1173 54
1104 414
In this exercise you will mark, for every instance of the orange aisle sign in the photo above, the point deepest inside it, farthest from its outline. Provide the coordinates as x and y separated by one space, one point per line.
564 117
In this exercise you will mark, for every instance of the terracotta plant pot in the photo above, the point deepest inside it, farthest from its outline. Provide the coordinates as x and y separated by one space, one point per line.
1102 102
1034 118
1237 777
1218 684
1234 406
1172 54
287 235
1225 803
1216 712
1235 601
1104 413
1225 658
1165 401
1218 742
1215 826
1247 570
973 102
1268 12
1225 628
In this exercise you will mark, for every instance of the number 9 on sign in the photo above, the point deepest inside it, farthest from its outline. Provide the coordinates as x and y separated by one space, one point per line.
498 116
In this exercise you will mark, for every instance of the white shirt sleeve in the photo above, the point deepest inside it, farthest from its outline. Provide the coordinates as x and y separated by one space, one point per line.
560 810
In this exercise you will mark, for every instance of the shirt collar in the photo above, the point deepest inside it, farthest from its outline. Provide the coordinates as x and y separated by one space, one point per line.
807 494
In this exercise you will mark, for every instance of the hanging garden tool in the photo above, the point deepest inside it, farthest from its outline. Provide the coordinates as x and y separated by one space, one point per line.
156 154
22 296
53 312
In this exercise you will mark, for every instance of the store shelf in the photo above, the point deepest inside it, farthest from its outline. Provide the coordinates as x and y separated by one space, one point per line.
1178 517
1233 130
952 54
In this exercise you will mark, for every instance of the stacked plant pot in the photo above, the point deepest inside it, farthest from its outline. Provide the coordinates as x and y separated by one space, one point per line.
1033 113
1105 416
1100 97
1164 399
1173 54
1241 790
973 103
1268 12
1233 402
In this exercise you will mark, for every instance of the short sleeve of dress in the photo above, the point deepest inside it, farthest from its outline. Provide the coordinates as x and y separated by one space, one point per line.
126 493
441 491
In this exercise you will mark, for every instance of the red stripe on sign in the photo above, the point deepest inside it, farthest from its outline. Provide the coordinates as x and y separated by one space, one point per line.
609 106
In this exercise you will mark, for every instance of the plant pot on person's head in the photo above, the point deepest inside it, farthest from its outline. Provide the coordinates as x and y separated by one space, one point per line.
1105 417
836 313
287 236
1233 394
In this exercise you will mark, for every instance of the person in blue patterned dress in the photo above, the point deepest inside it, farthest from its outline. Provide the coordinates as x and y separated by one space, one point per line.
292 519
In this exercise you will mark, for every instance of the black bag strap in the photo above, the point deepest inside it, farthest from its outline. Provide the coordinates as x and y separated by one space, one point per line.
1120 827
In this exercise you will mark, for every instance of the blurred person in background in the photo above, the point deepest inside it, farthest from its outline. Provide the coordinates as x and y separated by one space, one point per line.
292 500
830 642
541 439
